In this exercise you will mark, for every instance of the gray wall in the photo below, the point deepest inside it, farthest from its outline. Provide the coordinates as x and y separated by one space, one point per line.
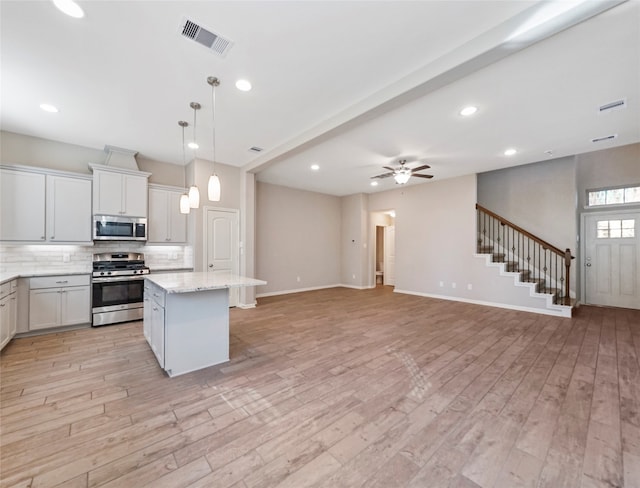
435 235
539 197
609 167
43 153
354 240
297 235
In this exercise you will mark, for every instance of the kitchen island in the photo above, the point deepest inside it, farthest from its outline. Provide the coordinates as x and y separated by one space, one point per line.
186 318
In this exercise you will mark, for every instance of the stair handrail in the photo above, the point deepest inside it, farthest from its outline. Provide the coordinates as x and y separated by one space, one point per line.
566 254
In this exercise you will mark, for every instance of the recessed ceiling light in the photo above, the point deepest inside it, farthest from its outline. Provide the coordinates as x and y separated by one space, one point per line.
193 145
470 110
47 107
243 85
374 183
510 152
69 7
315 167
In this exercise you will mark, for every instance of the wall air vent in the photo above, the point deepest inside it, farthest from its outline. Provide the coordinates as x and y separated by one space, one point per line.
605 138
622 103
255 149
215 42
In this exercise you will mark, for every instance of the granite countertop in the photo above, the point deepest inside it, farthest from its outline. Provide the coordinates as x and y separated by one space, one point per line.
201 281
30 273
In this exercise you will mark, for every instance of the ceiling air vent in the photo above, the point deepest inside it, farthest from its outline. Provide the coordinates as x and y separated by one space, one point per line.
622 103
255 149
210 40
605 138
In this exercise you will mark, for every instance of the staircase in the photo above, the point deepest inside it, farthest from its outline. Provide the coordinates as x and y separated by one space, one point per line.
533 262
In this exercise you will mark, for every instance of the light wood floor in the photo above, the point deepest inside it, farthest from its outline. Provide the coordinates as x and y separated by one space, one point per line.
335 388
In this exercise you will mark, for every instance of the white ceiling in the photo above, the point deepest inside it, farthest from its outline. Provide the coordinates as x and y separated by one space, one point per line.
350 86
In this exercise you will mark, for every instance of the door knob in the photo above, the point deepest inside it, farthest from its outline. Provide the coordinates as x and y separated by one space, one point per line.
588 264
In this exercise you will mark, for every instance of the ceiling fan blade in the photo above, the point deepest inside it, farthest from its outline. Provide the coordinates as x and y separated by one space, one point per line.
422 176
384 175
420 168
389 168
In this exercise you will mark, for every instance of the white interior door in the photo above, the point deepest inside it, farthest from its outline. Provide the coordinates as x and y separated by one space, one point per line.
223 245
389 276
612 259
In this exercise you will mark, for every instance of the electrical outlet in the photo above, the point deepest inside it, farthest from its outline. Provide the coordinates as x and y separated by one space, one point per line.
298 279
353 276
453 285
442 284
469 286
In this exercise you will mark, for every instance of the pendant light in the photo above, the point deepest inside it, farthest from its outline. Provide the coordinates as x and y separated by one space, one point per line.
194 193
213 188
185 208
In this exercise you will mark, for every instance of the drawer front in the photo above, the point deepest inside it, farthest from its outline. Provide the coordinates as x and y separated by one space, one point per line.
59 281
155 293
5 289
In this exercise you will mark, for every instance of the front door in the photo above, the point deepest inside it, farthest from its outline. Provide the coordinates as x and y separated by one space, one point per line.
612 259
222 246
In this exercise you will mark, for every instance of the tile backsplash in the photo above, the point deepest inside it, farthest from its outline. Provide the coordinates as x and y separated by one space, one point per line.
61 258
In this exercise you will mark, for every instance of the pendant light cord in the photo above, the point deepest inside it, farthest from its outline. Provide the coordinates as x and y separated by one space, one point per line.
213 122
195 143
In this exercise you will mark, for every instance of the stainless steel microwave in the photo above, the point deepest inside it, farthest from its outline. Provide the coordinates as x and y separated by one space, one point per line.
113 228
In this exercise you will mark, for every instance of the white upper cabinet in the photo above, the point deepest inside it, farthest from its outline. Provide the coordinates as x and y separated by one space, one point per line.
22 206
166 224
118 192
68 209
28 196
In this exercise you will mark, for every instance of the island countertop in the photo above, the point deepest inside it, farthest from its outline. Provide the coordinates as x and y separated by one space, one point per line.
199 281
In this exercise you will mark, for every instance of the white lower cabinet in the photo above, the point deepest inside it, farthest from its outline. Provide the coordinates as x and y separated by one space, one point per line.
146 318
187 331
153 324
157 332
8 311
56 301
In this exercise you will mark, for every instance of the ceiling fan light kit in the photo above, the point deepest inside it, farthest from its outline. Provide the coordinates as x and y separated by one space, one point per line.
403 173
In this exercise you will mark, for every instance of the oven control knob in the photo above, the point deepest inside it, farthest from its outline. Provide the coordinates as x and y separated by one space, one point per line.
108 272
101 273
135 272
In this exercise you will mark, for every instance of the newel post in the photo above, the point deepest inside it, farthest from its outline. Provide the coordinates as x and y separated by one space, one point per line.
567 267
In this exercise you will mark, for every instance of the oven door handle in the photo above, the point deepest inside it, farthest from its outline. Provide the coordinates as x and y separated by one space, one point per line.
114 279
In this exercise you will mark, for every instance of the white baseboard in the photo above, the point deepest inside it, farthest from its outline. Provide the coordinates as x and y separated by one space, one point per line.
355 287
313 288
245 306
297 290
555 313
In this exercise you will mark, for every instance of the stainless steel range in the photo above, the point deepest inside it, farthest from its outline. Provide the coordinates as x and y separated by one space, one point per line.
118 287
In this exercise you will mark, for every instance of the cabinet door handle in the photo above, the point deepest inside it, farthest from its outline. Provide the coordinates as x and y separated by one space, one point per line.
42 238
53 237
155 308
2 304
211 265
62 281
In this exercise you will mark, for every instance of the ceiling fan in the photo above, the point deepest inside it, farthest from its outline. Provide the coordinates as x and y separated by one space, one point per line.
402 173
